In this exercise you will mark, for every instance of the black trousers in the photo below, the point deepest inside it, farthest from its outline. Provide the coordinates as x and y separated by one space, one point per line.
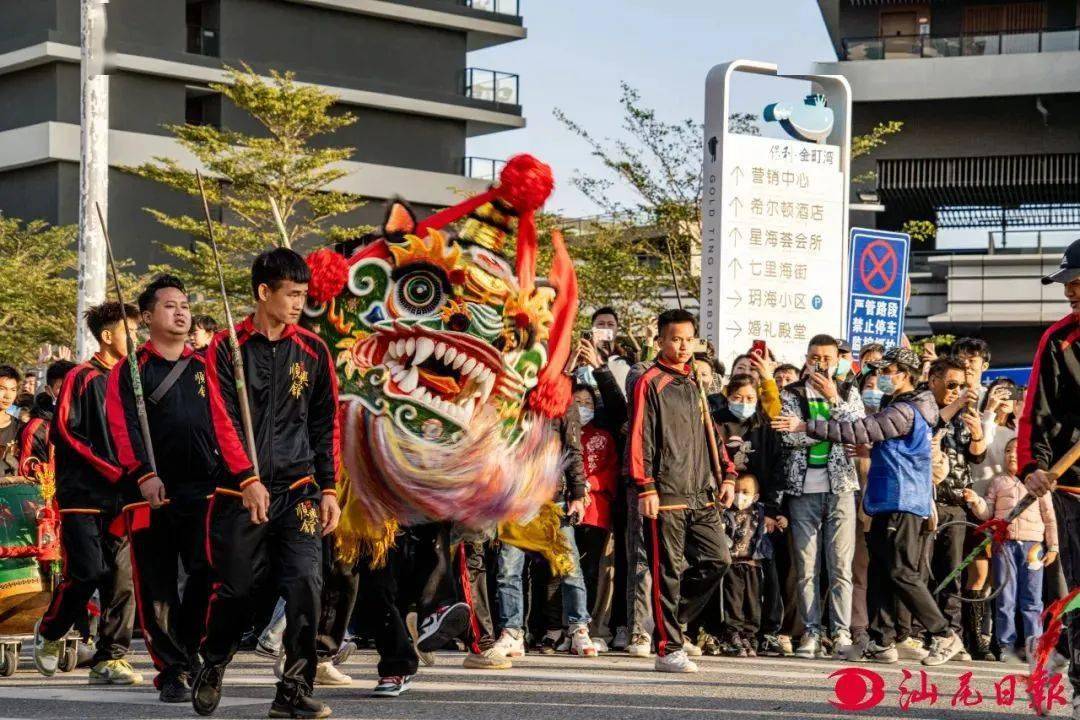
341 585
772 591
243 555
742 599
948 552
688 555
93 560
473 563
172 622
896 549
384 603
430 548
1067 511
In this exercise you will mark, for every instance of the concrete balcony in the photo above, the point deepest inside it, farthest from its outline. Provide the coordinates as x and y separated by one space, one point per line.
1000 289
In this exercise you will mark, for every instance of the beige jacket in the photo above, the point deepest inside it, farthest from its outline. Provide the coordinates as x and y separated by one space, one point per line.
1037 523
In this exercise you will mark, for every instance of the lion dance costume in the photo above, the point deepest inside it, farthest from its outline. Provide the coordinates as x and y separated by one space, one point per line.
450 359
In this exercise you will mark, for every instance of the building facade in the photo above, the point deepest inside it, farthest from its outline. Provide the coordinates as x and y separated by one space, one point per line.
989 94
400 66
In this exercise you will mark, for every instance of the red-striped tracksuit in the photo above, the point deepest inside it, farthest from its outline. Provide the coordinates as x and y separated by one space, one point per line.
34 441
292 391
188 463
1048 427
88 497
669 457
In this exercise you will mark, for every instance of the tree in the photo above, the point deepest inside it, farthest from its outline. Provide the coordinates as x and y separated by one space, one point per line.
660 162
37 288
246 170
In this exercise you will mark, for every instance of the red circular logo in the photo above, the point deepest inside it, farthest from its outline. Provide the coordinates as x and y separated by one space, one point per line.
879 267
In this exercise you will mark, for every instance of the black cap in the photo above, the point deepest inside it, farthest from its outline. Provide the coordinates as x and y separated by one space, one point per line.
901 356
843 345
1070 266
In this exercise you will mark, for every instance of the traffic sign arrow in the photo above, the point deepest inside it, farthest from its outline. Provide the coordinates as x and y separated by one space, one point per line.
736 173
735 235
735 266
735 204
735 327
737 298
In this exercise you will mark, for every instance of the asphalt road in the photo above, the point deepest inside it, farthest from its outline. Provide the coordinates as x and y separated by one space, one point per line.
611 687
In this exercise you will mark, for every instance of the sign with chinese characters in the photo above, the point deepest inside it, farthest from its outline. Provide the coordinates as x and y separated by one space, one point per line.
774 216
781 244
879 270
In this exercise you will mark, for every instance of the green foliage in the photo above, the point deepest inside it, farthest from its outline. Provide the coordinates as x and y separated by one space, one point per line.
920 230
866 144
37 288
245 171
942 343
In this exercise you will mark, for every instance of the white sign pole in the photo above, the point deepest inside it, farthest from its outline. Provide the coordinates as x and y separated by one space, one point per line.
774 225
93 171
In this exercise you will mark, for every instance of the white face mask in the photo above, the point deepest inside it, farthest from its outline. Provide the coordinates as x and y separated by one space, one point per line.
587 414
744 500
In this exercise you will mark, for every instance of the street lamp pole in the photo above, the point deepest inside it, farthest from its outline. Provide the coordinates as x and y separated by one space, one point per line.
93 169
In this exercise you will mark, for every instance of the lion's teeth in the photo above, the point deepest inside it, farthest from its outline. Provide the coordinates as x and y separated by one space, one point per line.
467 368
424 348
460 360
451 353
408 384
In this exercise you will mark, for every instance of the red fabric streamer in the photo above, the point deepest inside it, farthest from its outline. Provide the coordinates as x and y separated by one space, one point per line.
18 551
552 394
329 273
1054 624
997 528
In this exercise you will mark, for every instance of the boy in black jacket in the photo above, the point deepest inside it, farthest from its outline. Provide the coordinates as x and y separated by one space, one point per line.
89 501
175 485
677 498
278 515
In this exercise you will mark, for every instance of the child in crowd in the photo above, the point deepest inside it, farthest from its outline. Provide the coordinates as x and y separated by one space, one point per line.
1016 566
744 524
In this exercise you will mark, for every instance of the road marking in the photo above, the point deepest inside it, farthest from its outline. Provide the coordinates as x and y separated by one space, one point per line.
116 696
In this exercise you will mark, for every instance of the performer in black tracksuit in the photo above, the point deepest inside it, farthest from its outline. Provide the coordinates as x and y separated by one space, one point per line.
670 465
273 520
89 500
187 469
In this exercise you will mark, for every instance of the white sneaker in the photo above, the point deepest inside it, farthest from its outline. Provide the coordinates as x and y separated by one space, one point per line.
640 646
563 644
884 655
1009 657
1076 707
843 648
46 653
511 643
327 674
911 648
691 649
580 643
809 647
1056 663
487 660
621 639
114 672
676 662
943 648
601 645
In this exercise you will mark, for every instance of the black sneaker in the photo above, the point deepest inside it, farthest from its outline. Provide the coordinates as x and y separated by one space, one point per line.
549 645
709 645
206 690
770 647
174 688
248 641
295 701
446 624
392 686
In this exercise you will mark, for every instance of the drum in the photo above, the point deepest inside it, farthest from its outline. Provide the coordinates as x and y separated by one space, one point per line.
24 589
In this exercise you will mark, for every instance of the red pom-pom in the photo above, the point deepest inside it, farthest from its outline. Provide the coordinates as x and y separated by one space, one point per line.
329 273
525 183
522 320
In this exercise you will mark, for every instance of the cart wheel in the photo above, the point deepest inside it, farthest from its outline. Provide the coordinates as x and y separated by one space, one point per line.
10 661
70 658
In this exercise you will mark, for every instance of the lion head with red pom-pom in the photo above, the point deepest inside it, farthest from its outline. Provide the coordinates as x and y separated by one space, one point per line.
432 327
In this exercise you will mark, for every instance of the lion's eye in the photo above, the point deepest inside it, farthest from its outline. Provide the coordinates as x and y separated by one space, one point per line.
420 293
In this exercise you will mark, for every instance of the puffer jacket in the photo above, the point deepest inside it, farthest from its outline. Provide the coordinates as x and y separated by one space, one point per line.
840 468
1037 523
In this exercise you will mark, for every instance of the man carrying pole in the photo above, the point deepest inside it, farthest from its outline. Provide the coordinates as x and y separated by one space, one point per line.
1048 428
166 518
279 515
86 492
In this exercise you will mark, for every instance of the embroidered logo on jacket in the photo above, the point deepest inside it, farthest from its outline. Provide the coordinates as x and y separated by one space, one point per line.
200 380
309 517
299 376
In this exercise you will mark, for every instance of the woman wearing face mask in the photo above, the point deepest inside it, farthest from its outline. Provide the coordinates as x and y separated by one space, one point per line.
754 447
872 394
594 533
761 369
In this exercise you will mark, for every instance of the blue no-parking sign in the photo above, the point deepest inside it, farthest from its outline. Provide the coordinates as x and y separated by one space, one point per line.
879 270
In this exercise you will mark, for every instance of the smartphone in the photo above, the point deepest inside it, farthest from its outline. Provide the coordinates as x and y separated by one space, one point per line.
603 335
1016 393
759 349
822 368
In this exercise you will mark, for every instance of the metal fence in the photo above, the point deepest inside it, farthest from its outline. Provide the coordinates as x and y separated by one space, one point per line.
491 86
932 46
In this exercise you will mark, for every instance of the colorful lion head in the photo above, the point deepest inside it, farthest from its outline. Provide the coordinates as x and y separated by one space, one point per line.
447 350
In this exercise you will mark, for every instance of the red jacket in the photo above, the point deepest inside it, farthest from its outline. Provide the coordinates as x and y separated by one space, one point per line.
602 472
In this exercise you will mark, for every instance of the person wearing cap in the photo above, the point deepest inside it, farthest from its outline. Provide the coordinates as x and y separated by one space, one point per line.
846 362
1048 427
899 498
